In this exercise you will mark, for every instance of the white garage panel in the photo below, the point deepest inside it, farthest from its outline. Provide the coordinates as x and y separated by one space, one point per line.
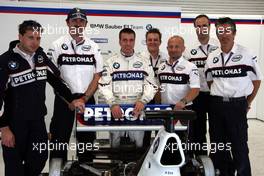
235 7
260 97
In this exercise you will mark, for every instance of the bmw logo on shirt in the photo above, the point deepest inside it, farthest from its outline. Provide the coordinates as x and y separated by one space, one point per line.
215 60
40 59
13 65
64 46
193 51
116 65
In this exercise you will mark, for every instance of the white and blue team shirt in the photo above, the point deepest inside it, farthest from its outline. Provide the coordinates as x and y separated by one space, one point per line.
197 54
126 80
77 62
232 73
155 63
177 80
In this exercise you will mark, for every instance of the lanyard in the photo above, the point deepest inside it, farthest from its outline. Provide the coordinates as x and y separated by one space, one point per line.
223 60
74 48
205 53
173 66
154 66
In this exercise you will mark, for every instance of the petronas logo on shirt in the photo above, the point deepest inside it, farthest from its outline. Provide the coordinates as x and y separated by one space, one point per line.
212 49
236 58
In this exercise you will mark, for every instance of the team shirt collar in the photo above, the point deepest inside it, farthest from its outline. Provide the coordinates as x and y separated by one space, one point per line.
175 62
24 55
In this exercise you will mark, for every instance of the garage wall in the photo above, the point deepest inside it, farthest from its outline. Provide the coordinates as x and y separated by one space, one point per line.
260 97
235 7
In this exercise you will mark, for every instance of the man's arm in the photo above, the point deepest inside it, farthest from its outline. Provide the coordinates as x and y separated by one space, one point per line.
88 93
149 91
53 75
8 138
94 83
157 97
191 95
60 91
150 85
194 81
54 79
250 98
208 75
52 54
105 85
60 87
256 77
105 88
92 87
3 87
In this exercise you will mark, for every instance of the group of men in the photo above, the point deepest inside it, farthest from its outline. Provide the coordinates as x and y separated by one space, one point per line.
216 81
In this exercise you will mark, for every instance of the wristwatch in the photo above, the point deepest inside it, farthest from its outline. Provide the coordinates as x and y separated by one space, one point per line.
184 101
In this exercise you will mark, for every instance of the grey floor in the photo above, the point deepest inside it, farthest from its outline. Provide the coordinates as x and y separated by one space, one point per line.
256 146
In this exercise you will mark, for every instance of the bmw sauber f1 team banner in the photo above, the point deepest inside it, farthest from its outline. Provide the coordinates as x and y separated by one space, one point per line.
100 115
104 23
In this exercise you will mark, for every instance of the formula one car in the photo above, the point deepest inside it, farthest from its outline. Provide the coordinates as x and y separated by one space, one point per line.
165 156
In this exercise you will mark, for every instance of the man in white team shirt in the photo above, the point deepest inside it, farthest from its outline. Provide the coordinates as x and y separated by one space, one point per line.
234 78
156 57
80 63
178 78
128 78
197 53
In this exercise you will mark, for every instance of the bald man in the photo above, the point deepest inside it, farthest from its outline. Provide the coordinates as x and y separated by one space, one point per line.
178 78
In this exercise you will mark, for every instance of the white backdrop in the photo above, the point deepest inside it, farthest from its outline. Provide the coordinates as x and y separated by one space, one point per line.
260 97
